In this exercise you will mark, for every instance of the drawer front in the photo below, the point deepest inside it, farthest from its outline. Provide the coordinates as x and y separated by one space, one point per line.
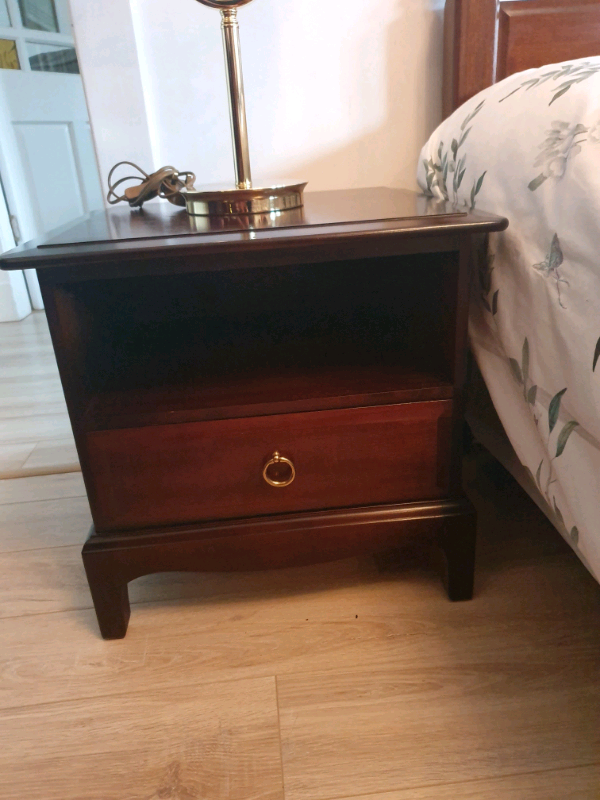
216 470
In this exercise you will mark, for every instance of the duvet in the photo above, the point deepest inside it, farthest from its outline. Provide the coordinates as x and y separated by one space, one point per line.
529 148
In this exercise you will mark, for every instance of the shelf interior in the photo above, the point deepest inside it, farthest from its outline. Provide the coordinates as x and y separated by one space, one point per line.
232 343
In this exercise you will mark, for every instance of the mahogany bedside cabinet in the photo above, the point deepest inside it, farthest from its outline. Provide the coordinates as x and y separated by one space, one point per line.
261 392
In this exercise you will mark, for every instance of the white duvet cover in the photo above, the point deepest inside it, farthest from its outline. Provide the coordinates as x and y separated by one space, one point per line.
529 148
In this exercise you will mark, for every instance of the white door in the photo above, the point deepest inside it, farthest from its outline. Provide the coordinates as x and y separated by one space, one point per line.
47 161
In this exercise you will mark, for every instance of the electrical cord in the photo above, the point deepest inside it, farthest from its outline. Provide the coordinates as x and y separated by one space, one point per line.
166 182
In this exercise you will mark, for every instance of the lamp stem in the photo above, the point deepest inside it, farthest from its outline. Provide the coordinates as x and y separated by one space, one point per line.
237 106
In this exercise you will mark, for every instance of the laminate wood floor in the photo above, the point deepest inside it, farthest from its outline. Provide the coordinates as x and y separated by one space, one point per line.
35 434
356 679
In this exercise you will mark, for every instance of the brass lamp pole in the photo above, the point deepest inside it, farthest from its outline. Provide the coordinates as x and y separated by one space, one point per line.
235 91
244 197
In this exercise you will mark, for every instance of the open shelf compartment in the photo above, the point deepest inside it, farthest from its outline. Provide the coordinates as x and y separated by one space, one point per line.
252 342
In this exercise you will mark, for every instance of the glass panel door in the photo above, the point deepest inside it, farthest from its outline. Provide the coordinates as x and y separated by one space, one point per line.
36 36
39 15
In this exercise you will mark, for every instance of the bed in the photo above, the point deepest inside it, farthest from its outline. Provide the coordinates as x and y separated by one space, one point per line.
521 138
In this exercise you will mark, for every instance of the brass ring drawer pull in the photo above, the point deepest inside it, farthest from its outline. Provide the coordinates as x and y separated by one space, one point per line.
277 459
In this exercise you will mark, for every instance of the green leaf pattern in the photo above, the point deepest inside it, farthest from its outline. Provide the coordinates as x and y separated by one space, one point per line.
516 370
554 409
521 374
574 535
574 73
596 355
563 437
436 171
550 265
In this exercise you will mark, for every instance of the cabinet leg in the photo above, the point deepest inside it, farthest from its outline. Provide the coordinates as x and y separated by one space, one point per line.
458 545
110 595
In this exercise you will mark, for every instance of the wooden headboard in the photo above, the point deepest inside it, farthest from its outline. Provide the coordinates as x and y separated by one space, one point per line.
487 40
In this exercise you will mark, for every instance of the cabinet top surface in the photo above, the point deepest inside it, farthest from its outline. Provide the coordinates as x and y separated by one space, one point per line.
163 229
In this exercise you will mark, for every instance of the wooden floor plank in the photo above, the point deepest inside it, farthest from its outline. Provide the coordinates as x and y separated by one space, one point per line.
15 406
54 454
451 719
576 783
44 523
32 405
211 742
34 428
45 487
13 456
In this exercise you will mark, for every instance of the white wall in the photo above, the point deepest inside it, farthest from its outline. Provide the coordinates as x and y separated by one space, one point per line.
340 93
108 59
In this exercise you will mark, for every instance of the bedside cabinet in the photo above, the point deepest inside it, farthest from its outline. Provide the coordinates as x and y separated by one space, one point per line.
257 392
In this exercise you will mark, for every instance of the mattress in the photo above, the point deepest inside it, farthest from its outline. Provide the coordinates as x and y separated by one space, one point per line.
529 148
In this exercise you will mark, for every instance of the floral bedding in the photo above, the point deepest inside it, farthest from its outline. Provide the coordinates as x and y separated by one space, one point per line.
529 148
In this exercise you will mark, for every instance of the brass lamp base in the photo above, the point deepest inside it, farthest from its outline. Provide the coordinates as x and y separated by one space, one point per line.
223 201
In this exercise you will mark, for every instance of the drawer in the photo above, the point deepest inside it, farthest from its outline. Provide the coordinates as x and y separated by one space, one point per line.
226 468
